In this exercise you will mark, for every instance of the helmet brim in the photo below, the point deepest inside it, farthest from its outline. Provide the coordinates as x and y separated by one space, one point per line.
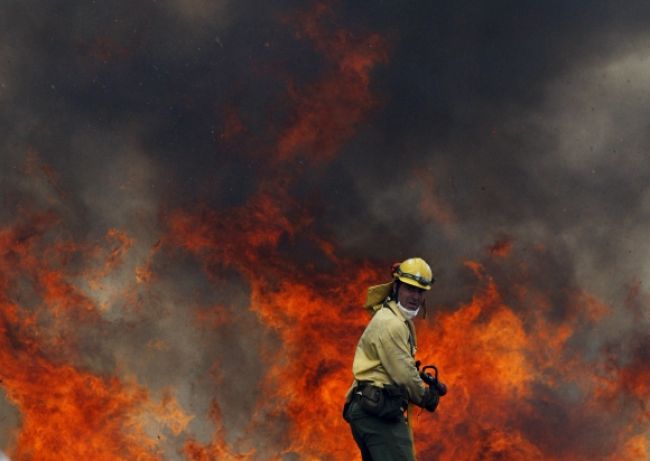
410 281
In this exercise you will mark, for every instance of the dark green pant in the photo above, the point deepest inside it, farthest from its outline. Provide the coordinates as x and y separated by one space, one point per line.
379 440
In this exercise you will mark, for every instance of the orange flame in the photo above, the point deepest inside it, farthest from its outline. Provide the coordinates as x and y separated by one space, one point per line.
59 404
328 111
516 388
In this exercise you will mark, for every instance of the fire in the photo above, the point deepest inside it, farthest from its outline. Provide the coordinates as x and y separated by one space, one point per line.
520 389
327 112
315 315
482 349
501 248
491 356
59 403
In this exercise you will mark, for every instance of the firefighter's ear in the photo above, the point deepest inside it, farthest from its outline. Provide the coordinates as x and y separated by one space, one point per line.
395 289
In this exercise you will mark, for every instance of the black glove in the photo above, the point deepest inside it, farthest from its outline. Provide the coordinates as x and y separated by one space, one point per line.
430 400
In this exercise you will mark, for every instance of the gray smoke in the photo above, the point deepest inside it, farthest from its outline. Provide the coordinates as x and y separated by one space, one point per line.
524 121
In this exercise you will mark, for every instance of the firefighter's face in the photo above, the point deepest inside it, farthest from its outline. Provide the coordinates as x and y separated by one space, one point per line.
410 297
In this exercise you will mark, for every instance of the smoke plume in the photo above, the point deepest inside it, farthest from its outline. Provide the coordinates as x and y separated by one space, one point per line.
195 195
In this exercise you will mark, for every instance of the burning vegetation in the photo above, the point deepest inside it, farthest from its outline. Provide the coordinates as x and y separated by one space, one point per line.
226 331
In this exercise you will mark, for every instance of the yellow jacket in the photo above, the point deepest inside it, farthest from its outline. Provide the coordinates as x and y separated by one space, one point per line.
385 355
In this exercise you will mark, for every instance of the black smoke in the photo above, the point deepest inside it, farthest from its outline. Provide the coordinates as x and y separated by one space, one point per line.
519 119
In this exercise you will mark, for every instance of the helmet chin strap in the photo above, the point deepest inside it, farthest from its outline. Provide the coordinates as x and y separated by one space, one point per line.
408 314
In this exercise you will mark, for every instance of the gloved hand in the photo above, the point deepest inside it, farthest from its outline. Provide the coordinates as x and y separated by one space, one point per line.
430 400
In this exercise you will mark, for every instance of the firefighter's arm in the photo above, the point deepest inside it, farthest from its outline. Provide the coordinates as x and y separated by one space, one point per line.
394 353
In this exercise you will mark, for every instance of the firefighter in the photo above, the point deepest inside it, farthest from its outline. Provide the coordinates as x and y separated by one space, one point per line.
386 377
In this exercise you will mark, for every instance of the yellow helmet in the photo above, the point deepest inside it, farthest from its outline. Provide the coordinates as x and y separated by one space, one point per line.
416 272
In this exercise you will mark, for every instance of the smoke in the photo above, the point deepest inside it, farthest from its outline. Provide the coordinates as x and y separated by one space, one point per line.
194 196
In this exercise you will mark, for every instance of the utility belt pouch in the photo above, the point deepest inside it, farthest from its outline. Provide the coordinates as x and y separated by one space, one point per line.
387 403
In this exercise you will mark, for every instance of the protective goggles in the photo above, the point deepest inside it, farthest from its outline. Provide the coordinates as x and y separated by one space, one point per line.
417 278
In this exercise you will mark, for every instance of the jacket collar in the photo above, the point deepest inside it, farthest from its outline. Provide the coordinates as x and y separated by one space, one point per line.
392 305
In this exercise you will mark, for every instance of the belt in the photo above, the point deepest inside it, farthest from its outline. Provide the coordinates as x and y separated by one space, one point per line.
357 392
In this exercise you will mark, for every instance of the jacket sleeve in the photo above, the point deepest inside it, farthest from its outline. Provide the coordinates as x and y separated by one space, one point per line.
395 356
